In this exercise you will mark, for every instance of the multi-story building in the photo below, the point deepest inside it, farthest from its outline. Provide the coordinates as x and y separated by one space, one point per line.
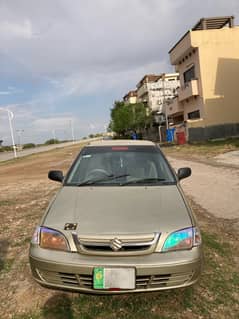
143 87
207 59
130 97
156 90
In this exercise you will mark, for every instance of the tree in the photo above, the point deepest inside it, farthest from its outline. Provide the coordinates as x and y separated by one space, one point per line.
139 116
121 117
126 117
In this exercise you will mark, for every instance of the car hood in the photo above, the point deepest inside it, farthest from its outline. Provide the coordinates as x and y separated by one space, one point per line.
119 210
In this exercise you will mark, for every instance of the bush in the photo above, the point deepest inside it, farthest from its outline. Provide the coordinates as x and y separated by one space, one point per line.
28 145
6 148
52 141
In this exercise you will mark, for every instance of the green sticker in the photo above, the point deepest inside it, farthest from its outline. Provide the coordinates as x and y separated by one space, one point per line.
99 280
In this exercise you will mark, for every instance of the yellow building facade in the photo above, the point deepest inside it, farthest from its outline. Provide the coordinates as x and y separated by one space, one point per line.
207 60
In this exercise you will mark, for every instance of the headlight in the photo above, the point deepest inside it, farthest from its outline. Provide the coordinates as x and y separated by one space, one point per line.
50 239
183 239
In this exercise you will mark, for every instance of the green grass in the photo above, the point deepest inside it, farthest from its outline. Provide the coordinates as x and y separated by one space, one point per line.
207 148
5 265
6 202
86 307
235 279
213 242
219 142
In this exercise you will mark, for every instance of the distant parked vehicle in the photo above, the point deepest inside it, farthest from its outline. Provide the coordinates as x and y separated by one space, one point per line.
107 137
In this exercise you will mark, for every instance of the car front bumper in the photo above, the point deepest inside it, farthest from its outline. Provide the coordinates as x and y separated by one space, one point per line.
157 271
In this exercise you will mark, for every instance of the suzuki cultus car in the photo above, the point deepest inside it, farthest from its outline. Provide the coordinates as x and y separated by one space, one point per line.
120 223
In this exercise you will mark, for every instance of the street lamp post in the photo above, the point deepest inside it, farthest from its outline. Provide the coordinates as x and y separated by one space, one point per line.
54 136
10 117
19 132
72 131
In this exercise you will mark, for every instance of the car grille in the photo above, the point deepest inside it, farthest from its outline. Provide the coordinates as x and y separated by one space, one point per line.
164 280
117 245
69 280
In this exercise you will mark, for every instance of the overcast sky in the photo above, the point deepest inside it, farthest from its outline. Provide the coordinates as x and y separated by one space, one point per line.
63 60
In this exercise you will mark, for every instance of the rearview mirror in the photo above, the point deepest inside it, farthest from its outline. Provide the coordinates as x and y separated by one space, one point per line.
56 176
184 172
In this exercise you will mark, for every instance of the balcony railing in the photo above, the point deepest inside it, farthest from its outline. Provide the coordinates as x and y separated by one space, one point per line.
190 89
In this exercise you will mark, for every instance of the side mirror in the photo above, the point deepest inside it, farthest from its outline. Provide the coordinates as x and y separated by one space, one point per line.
56 176
184 172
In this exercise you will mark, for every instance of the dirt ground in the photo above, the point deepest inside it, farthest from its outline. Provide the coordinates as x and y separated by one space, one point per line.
25 192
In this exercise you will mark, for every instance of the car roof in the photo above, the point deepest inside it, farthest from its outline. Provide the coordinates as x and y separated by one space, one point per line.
121 143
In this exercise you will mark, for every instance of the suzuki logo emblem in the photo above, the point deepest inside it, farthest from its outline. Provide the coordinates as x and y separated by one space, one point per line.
115 244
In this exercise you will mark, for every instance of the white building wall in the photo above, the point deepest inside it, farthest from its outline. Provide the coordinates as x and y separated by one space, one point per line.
161 91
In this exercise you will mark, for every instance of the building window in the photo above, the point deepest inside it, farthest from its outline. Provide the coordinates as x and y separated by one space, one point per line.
189 75
194 115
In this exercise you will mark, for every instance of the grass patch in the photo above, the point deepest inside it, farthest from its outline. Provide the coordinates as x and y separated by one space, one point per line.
212 242
6 202
6 265
235 279
220 142
208 148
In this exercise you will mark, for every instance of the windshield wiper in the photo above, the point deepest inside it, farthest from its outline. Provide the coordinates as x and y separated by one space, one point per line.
96 181
144 180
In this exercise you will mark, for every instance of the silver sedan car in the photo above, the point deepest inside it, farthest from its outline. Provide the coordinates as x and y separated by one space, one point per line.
120 223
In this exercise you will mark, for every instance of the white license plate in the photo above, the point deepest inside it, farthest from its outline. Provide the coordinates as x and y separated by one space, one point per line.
114 278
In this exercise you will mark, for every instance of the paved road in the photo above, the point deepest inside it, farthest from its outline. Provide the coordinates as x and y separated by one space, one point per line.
215 188
9 155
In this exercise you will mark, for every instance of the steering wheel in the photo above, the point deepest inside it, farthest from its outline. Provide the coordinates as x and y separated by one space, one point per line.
98 171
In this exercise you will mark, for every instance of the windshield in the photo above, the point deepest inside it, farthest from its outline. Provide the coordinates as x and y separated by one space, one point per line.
120 165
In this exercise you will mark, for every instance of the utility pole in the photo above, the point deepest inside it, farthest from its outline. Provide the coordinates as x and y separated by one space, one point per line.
164 102
10 117
19 132
54 135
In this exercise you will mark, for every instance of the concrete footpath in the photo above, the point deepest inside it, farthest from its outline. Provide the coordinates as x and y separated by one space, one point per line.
215 188
5 156
229 158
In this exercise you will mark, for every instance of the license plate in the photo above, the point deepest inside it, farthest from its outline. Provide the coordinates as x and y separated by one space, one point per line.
114 278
